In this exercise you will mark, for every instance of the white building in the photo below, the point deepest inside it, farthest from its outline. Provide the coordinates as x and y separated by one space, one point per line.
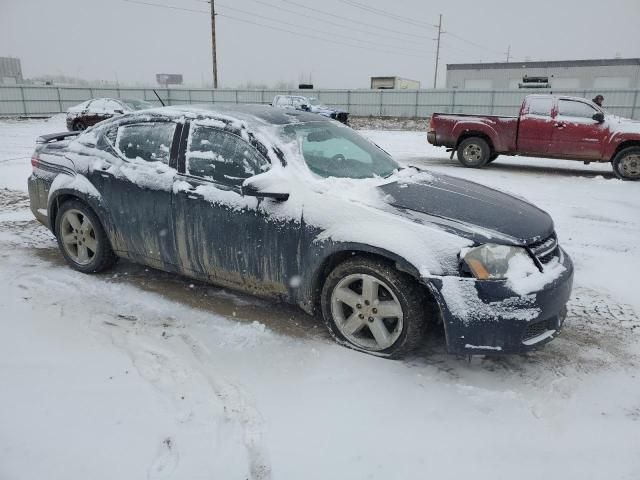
616 73
394 83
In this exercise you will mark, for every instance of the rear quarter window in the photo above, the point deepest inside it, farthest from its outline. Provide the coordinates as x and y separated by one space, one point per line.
150 142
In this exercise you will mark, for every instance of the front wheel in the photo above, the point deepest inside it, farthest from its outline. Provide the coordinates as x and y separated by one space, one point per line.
79 126
474 152
369 306
81 238
626 164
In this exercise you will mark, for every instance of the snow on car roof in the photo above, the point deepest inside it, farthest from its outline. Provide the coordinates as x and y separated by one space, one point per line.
250 113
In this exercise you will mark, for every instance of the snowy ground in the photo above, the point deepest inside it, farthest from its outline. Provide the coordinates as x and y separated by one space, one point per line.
140 374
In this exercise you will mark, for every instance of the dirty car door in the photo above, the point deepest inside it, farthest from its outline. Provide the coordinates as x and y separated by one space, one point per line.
135 178
221 235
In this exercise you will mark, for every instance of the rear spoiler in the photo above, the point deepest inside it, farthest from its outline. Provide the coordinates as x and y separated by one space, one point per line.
56 137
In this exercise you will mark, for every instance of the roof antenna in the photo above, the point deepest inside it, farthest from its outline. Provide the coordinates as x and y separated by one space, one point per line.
154 91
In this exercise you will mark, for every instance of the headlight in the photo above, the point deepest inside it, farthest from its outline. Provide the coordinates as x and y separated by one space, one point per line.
491 261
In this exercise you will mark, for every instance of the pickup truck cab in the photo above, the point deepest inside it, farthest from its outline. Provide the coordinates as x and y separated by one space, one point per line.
550 126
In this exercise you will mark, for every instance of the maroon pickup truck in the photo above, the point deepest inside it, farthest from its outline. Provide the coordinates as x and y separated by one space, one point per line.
547 126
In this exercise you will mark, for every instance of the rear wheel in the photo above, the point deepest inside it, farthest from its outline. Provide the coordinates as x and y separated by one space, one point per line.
79 125
474 152
369 306
626 164
82 239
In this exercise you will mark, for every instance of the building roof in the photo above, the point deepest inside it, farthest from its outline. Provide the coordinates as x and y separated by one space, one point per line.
605 62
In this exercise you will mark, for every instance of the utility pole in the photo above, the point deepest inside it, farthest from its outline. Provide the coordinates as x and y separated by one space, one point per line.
435 76
213 43
508 53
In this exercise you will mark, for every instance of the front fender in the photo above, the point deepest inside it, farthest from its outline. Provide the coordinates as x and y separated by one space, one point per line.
324 256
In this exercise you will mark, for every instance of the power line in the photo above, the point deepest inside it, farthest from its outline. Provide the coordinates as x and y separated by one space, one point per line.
329 22
410 21
385 13
377 27
471 42
271 19
138 2
343 44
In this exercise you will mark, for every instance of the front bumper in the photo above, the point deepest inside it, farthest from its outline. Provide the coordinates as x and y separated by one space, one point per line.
487 317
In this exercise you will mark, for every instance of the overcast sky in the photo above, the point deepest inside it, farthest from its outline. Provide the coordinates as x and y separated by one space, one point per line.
109 39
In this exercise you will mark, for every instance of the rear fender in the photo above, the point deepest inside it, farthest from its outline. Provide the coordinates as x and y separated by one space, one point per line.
469 128
67 187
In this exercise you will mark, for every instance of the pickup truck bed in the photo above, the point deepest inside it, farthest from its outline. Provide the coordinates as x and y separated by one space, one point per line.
452 126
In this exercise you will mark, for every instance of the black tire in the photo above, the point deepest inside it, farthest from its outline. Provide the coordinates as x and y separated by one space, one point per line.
408 293
626 164
79 125
492 157
103 256
474 152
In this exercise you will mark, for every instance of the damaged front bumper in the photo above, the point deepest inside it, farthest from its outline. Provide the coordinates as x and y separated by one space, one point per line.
487 317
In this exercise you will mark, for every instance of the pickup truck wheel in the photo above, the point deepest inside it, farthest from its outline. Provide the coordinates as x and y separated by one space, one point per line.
79 126
370 306
626 164
474 152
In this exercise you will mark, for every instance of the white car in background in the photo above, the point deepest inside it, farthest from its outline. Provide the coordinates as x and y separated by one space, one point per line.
310 104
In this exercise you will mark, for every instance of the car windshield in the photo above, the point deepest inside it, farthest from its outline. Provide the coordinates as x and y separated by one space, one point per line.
314 101
337 151
137 104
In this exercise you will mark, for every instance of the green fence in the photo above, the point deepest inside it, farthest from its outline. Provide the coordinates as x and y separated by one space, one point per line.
29 100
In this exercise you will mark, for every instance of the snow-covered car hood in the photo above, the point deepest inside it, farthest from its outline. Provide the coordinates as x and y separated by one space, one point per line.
471 210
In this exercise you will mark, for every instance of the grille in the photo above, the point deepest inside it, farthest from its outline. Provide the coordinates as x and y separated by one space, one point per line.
545 250
534 330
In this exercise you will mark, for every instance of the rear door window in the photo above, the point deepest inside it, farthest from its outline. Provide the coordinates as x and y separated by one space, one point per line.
540 106
222 157
150 141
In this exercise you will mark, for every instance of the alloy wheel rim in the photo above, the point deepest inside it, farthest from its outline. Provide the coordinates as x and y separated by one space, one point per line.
472 153
367 312
630 166
78 237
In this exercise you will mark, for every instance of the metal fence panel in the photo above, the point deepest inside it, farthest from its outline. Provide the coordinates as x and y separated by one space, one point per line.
47 100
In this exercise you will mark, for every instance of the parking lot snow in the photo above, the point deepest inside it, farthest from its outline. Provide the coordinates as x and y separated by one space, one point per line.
136 373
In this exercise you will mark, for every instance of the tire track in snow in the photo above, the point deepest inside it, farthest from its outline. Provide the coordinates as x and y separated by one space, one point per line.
238 408
169 370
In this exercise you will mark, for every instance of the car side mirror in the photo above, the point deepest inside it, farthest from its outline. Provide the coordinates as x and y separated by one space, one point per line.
305 107
251 190
598 117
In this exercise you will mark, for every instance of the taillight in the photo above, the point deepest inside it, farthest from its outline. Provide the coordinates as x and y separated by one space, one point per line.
35 161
